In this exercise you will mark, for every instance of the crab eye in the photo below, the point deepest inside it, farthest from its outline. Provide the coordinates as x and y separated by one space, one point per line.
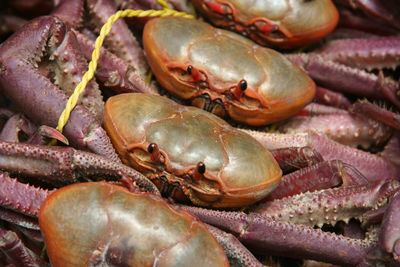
151 148
190 69
201 167
199 171
239 89
243 85
154 151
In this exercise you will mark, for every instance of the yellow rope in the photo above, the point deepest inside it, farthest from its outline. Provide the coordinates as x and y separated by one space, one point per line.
73 99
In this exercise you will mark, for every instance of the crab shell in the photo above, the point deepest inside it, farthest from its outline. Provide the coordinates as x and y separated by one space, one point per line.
281 24
276 88
239 170
100 224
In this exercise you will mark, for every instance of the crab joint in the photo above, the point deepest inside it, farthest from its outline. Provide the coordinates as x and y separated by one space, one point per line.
239 89
199 171
194 73
154 151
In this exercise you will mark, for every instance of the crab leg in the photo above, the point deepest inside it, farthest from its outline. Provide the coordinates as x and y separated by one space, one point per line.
331 98
342 78
389 236
235 251
268 236
323 175
64 165
373 167
346 128
294 158
385 116
329 205
16 252
369 53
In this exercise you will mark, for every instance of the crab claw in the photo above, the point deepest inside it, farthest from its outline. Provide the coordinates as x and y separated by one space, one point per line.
45 133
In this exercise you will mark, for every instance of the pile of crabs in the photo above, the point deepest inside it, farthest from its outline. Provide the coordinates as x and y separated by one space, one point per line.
268 134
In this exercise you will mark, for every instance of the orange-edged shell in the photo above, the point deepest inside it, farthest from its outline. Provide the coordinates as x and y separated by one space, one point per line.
276 88
99 224
274 23
239 170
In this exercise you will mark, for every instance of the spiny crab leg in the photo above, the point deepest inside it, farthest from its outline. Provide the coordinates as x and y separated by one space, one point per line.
37 96
266 235
380 114
329 205
346 79
365 53
351 129
326 174
373 167
64 165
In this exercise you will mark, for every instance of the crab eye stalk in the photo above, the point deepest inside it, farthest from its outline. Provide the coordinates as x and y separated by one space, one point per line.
199 171
154 151
239 89
194 73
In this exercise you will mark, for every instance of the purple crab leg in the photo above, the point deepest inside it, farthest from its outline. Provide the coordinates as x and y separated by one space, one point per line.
329 205
390 233
237 254
372 166
368 53
323 175
16 252
331 98
294 158
346 128
380 114
268 236
64 165
345 79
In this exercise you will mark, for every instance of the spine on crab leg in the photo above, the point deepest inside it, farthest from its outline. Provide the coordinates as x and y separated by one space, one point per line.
294 158
64 165
323 175
16 252
268 236
329 205
372 166
112 71
238 255
345 79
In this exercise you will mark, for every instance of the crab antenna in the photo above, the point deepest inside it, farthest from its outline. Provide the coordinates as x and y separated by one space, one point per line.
194 72
239 89
154 151
199 171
